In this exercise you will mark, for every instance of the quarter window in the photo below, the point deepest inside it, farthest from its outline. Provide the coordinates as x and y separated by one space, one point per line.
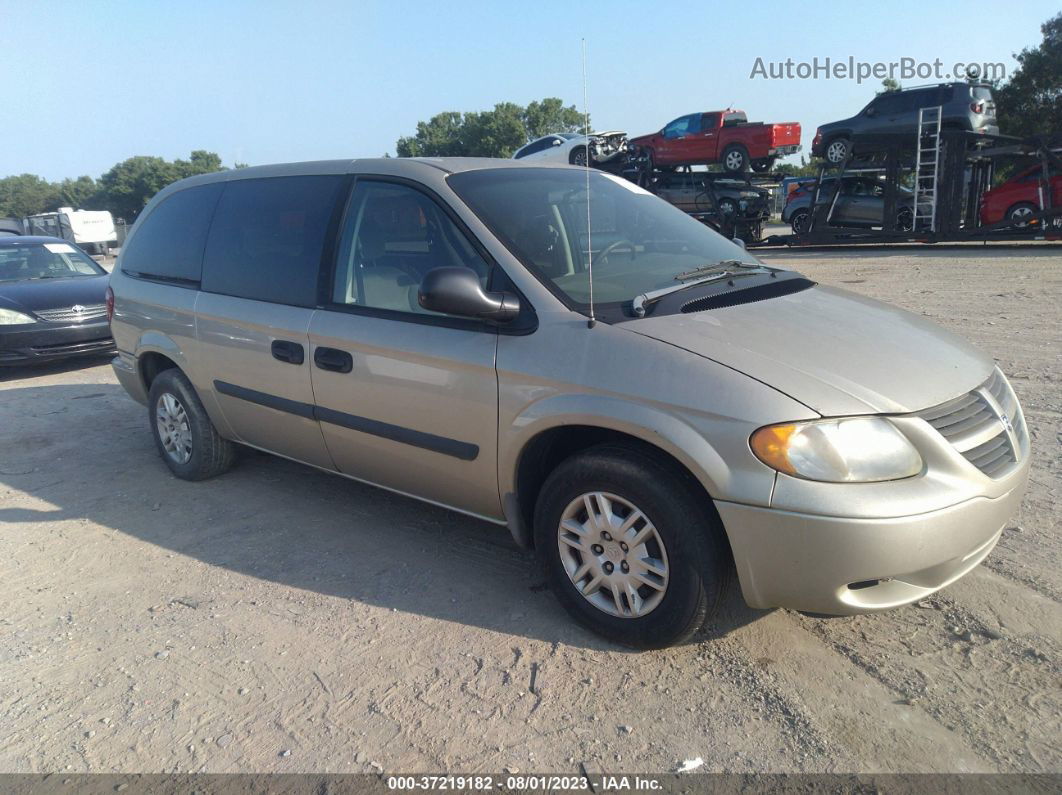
392 236
168 243
268 238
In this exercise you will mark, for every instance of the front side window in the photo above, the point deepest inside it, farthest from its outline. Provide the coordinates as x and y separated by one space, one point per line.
637 241
680 126
45 261
392 236
268 237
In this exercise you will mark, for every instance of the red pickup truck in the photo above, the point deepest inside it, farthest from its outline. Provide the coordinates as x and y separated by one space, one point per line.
719 136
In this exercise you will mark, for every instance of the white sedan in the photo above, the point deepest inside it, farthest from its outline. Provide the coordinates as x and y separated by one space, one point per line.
567 147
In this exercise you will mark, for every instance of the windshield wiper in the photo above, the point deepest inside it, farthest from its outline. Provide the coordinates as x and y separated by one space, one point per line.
702 275
705 270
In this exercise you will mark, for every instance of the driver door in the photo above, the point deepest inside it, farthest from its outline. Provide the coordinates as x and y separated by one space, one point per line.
407 398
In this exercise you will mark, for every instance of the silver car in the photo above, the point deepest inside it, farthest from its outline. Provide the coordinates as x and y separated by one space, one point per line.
430 327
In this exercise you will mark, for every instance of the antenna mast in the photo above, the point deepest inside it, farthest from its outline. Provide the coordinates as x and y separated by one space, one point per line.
586 165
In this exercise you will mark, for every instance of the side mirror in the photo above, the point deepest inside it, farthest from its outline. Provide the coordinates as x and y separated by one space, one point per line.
556 142
737 241
870 112
457 291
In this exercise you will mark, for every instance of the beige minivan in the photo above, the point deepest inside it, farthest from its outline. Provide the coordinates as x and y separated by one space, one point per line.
430 326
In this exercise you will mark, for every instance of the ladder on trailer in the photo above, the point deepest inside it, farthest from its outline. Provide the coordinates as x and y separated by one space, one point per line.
927 164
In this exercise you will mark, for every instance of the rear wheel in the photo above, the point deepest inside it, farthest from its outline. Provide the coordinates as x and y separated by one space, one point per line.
1021 212
838 150
184 435
760 166
735 158
629 547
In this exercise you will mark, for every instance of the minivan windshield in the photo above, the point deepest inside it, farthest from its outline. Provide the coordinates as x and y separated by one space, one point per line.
45 261
638 242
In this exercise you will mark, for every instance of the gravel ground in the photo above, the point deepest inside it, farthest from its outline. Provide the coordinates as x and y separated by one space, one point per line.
281 619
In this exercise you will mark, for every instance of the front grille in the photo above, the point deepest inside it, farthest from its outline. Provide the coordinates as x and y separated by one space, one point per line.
986 426
69 315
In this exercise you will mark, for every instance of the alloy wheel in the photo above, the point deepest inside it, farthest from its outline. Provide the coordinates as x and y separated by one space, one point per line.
836 152
613 554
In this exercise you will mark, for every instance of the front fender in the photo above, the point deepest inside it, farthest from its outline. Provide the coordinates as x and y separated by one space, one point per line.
652 425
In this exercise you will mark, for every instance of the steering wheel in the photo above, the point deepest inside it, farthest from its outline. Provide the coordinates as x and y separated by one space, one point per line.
617 244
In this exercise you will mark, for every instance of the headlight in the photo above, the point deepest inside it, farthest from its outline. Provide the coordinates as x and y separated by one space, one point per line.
850 450
9 317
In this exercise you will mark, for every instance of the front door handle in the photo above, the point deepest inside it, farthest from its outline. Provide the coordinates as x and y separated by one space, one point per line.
290 352
333 359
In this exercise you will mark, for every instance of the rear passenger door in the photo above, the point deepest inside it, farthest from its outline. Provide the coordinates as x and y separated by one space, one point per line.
407 399
259 291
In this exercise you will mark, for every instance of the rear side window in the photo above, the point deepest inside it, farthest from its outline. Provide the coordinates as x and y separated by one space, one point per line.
168 244
268 236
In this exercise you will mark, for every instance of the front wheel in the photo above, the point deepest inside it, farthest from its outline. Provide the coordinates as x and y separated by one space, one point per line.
630 546
184 435
760 166
578 156
799 221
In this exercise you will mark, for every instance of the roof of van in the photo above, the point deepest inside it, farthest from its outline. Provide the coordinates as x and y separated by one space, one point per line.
449 165
419 168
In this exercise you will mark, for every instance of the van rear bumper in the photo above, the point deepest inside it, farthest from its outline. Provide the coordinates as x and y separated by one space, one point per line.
843 566
125 370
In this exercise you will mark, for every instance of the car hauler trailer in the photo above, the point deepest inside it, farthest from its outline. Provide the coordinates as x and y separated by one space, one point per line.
943 175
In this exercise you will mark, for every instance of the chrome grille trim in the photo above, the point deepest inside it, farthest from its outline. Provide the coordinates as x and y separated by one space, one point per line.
68 315
985 426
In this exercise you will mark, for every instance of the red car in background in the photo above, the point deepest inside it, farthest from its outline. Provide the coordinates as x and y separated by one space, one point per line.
1020 196
719 136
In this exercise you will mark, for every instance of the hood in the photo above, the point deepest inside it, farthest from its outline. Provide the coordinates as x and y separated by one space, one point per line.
643 139
54 293
836 352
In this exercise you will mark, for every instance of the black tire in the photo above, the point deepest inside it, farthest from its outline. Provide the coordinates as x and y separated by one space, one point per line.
760 166
905 219
687 528
1020 210
735 159
210 454
799 221
578 156
837 150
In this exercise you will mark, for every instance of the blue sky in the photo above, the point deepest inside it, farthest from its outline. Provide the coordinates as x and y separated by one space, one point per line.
86 84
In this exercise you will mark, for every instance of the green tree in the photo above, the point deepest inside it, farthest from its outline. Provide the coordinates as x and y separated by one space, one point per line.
550 116
1030 102
890 84
129 185
491 133
81 194
25 194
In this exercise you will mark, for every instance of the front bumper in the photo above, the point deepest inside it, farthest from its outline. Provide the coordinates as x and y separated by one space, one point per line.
46 341
842 565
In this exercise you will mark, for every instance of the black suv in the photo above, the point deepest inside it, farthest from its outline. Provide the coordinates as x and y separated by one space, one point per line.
965 106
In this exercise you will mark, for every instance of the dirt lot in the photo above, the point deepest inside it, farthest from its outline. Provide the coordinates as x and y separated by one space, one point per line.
282 619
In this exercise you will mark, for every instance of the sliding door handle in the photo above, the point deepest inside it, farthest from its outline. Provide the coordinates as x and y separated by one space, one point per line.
333 359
